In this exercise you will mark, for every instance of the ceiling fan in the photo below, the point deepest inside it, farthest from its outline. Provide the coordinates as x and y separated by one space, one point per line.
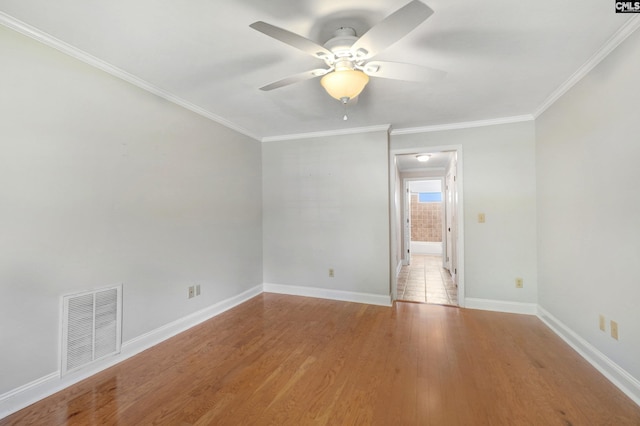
348 57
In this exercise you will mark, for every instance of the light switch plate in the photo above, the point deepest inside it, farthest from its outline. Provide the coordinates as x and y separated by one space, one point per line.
614 329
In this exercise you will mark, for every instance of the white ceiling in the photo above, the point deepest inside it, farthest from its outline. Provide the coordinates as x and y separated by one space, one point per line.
438 162
502 58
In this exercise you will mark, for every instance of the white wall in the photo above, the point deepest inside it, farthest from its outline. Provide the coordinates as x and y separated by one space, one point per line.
589 206
499 180
102 183
326 205
418 186
426 247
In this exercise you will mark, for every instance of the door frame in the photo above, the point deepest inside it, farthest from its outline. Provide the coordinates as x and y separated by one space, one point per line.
450 262
406 224
394 231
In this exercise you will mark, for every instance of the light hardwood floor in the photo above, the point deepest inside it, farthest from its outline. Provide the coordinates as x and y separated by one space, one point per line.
286 360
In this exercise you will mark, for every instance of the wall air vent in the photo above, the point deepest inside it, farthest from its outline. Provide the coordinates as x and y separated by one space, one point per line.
91 327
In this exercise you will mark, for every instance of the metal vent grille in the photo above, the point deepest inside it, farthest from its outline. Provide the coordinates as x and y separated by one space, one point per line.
91 327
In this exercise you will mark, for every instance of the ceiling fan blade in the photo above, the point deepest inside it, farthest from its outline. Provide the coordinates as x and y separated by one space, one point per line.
400 71
297 78
391 29
292 39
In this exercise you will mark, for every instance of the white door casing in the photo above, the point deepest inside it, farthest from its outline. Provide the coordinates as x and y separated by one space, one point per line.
406 255
457 254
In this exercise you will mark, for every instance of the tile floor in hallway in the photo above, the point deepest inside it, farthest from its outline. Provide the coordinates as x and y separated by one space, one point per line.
425 280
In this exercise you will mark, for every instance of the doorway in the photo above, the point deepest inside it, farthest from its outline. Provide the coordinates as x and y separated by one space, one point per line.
428 266
424 276
424 211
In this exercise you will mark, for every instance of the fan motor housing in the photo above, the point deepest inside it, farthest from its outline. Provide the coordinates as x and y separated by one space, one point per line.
343 39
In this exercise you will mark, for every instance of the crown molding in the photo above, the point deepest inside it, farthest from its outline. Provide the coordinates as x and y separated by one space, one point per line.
621 35
328 133
462 125
49 40
21 27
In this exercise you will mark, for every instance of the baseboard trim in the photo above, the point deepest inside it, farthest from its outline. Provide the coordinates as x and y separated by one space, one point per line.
612 371
25 395
501 306
323 293
624 381
145 341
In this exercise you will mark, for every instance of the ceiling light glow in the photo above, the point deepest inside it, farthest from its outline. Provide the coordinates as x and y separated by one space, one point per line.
344 84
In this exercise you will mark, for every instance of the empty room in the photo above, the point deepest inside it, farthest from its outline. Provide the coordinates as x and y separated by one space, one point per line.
319 212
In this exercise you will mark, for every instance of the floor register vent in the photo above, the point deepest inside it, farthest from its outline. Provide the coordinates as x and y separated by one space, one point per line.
91 327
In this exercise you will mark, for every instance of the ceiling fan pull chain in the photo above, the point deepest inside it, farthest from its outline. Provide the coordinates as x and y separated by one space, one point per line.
344 102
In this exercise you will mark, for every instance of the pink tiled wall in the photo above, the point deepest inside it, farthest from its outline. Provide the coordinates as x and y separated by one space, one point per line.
426 220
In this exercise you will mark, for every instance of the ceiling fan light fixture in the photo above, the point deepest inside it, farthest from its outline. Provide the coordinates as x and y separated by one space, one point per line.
344 83
423 158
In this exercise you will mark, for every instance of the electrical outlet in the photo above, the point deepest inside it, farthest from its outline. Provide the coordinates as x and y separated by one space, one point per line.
331 274
191 292
614 329
519 283
602 323
481 218
198 290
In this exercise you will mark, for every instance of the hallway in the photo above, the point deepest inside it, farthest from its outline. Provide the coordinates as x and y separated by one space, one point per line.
426 281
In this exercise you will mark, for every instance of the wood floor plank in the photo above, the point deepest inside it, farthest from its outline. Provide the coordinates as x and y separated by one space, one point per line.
280 360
